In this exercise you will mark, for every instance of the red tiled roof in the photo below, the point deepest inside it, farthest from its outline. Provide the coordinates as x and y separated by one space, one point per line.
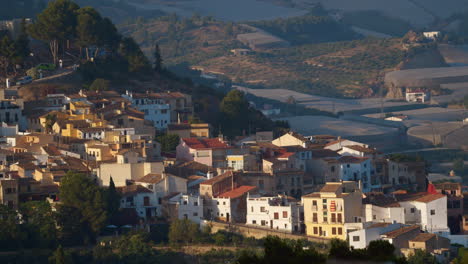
334 142
423 237
422 197
400 231
351 159
205 143
237 192
218 178
285 155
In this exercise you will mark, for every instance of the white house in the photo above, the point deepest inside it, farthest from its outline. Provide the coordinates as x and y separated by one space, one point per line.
417 96
428 210
357 169
153 107
389 213
139 198
340 143
160 185
361 238
277 212
188 207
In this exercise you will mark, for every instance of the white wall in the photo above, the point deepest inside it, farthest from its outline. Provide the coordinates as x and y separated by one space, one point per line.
384 214
369 234
422 214
190 207
362 171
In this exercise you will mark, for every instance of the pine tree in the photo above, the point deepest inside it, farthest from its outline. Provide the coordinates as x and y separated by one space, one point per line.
158 61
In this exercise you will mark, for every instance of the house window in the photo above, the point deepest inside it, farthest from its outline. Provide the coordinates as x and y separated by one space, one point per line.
314 217
333 218
251 209
413 210
185 202
340 231
195 214
347 165
254 222
324 201
356 238
333 230
314 203
339 218
432 212
374 217
315 230
285 214
262 209
224 203
332 169
195 203
276 216
263 222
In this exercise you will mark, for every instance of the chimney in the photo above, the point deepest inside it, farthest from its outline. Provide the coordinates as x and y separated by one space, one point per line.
209 175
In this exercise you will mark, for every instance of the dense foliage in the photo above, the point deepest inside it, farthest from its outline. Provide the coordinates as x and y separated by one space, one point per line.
307 29
377 21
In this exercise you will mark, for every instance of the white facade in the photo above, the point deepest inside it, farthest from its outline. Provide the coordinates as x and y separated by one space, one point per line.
417 97
220 208
339 144
274 213
144 204
432 216
11 113
189 207
357 172
378 214
361 238
91 133
155 110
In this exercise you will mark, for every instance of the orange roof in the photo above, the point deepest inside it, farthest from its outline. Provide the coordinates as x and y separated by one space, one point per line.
351 159
400 231
285 155
218 178
205 143
237 192
423 237
429 198
334 142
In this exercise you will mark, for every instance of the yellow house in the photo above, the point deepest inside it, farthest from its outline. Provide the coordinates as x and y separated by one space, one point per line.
291 139
190 130
327 211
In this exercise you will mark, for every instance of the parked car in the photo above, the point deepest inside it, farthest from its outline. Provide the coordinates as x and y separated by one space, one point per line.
24 80
46 66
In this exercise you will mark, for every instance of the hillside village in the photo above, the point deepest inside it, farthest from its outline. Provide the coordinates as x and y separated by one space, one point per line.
101 146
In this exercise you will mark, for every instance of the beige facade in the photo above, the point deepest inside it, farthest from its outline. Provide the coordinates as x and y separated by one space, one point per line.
121 173
290 139
190 130
9 193
327 211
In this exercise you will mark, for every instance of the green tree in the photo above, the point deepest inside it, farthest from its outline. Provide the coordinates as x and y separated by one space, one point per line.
79 192
112 199
56 24
59 256
39 223
87 30
277 250
100 84
11 235
169 142
183 231
130 50
339 249
421 257
158 61
380 250
234 110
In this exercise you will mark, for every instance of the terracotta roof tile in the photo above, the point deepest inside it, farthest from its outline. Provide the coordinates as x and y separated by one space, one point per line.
423 237
218 178
352 159
151 178
237 192
132 190
400 231
205 143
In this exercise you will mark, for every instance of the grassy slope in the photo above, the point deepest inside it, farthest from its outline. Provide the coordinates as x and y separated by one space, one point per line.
342 69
